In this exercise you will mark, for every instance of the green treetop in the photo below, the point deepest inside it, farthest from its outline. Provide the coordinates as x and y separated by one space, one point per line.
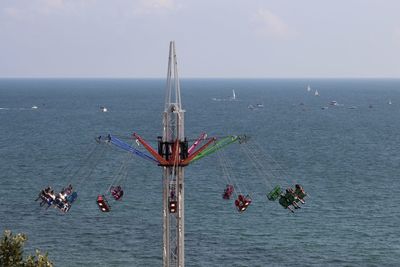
12 250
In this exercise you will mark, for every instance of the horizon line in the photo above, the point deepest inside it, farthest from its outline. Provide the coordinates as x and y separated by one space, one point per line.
200 78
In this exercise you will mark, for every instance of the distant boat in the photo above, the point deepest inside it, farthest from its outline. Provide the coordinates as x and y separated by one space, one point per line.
233 97
103 109
390 102
308 88
316 93
250 107
34 107
260 105
324 108
334 103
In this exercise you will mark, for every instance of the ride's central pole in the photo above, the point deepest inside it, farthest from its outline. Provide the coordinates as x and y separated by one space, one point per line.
172 148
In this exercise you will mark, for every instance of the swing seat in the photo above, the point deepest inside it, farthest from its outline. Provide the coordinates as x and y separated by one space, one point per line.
173 205
300 193
275 193
228 192
46 199
66 207
284 202
71 198
116 192
103 203
242 203
61 205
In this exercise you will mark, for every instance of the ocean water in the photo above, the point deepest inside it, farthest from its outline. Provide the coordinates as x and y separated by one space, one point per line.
346 157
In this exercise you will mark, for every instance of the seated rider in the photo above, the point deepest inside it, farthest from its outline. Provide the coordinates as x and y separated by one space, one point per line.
247 200
239 205
45 192
45 197
291 197
172 195
242 202
51 194
228 191
115 189
68 190
300 193
117 192
66 207
239 202
62 196
284 202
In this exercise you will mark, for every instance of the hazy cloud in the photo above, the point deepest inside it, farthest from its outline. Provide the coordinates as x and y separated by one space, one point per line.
52 3
13 12
34 8
147 7
159 4
272 25
126 38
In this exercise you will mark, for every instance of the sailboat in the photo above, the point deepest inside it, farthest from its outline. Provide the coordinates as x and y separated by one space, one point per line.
233 97
390 102
308 88
230 98
316 93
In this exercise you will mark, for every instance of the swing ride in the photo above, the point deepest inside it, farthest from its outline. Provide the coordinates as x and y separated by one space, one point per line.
173 154
267 167
68 195
62 200
290 199
242 202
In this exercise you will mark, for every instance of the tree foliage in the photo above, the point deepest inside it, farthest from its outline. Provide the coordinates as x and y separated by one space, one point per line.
12 250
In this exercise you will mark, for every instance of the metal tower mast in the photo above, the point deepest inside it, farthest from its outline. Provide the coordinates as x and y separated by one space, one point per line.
173 139
173 155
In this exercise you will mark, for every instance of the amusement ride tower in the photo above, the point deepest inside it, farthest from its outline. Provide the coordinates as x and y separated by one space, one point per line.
173 175
172 155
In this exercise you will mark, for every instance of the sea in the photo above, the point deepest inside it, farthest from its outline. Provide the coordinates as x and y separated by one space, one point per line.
345 154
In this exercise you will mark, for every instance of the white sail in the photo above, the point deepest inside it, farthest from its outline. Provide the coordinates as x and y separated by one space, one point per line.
233 95
308 88
316 93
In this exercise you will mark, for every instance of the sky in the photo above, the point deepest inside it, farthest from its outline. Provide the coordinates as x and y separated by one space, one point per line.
214 38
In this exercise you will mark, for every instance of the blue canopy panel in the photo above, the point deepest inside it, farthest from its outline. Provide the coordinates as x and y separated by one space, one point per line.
121 144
